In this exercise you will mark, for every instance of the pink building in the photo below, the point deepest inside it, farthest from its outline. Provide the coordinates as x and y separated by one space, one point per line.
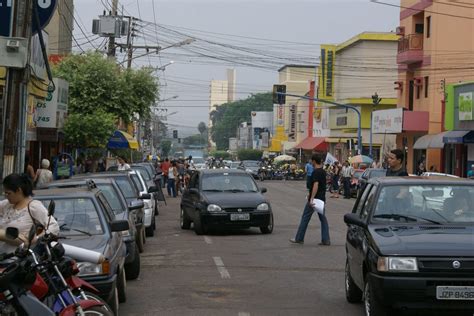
436 48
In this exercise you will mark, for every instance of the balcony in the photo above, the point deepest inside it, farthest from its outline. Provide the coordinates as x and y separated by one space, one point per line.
410 49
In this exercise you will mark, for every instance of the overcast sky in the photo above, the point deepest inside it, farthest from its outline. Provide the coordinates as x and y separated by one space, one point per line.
226 28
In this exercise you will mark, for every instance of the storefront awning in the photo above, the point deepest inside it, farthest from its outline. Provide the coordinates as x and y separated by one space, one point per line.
455 137
121 140
430 141
313 143
335 140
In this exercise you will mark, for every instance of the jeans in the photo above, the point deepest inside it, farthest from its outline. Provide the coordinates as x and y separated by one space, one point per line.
171 187
306 217
347 187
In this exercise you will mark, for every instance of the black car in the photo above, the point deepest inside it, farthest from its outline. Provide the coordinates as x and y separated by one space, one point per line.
225 198
368 174
131 211
410 245
86 220
251 167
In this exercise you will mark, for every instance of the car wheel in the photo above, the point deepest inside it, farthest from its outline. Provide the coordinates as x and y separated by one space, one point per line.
199 227
353 293
143 233
114 302
150 231
185 223
140 240
372 306
132 269
269 228
157 212
122 287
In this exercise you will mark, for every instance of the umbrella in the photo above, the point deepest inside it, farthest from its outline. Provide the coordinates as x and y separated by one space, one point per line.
360 159
284 158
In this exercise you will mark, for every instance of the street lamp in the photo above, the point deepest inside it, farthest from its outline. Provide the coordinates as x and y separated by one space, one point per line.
162 68
375 101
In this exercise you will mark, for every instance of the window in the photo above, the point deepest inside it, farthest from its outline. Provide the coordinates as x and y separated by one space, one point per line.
360 202
137 182
428 27
109 213
112 197
126 187
418 91
419 28
427 83
228 182
369 203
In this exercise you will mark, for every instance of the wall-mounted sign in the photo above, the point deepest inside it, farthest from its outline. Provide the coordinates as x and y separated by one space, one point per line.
466 107
387 121
280 115
292 131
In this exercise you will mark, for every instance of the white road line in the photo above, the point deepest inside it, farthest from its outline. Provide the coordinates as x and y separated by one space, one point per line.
208 240
221 268
244 314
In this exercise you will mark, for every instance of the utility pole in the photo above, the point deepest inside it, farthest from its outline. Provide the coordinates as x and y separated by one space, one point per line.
15 102
111 50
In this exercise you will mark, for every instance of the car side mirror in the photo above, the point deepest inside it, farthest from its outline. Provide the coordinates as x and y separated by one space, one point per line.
354 219
51 208
136 205
194 191
119 226
145 196
152 189
263 190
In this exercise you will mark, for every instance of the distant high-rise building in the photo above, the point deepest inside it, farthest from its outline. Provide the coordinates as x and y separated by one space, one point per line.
60 30
231 79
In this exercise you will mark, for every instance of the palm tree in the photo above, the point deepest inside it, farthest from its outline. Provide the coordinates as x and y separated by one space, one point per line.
202 127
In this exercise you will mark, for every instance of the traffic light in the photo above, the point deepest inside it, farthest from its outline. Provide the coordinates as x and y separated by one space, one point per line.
375 99
175 134
279 98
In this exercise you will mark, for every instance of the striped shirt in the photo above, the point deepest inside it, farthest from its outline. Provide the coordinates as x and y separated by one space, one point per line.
347 172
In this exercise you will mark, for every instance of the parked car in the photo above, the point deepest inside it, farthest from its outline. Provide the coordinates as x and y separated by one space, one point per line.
225 198
87 220
251 167
368 174
438 174
132 212
409 245
146 194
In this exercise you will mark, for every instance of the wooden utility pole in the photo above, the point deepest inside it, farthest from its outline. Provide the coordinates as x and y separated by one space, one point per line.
111 50
15 102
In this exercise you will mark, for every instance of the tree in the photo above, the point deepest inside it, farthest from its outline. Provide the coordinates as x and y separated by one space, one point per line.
202 127
96 83
220 154
249 154
165 148
193 140
89 130
227 117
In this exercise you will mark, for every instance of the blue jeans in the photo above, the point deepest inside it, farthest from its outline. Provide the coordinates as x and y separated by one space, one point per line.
306 217
171 187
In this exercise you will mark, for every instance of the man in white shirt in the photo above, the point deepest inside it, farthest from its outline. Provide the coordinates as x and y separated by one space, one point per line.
347 173
122 164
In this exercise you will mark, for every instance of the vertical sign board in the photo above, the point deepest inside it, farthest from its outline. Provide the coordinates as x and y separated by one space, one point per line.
466 106
45 9
51 112
6 10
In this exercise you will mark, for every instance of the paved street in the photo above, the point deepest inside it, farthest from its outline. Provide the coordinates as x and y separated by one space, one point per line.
244 272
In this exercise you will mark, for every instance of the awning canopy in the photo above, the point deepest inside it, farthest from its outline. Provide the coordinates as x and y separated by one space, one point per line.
121 140
454 137
430 141
313 143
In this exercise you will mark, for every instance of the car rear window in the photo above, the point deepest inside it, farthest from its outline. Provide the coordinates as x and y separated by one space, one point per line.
358 174
112 197
126 187
76 216
228 182
143 172
426 203
137 182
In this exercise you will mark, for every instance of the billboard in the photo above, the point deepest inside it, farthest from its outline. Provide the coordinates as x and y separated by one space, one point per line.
465 106
387 121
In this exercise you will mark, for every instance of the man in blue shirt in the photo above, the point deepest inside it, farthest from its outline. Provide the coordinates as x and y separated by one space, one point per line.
308 168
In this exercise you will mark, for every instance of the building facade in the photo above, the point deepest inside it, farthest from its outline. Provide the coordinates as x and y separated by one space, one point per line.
433 52
60 30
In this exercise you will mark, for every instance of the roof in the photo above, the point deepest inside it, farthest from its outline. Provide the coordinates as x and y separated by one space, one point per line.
101 174
216 171
421 180
69 192
312 143
297 66
368 36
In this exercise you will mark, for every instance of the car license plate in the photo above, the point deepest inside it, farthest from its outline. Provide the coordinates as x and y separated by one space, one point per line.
455 293
240 217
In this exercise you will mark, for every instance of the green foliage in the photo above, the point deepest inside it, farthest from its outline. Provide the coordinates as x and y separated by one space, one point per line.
89 130
249 154
193 140
130 155
228 116
202 127
96 83
165 148
220 154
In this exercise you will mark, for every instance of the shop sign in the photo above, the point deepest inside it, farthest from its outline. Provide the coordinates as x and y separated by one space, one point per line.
292 132
52 111
466 107
387 121
281 113
47 134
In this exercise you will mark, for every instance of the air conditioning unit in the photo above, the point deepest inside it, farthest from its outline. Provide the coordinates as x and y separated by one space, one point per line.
398 85
401 30
418 81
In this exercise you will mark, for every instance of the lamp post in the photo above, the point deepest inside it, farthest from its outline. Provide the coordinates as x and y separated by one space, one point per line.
375 101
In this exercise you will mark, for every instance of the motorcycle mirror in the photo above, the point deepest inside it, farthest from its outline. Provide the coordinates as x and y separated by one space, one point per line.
12 233
51 208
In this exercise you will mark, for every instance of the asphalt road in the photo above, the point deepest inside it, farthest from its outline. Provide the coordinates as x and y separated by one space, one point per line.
243 272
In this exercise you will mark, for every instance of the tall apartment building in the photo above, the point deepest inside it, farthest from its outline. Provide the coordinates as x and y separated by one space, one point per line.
435 50
60 30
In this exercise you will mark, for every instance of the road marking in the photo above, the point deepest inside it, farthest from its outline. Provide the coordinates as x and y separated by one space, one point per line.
208 240
221 268
244 314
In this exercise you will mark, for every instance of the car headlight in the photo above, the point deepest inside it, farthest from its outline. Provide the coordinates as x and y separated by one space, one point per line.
213 208
148 203
248 170
263 207
397 264
87 268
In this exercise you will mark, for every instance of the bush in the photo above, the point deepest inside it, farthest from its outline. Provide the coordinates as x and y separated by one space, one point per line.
220 154
249 154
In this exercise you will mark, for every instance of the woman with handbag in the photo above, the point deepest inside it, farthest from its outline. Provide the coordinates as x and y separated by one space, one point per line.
20 210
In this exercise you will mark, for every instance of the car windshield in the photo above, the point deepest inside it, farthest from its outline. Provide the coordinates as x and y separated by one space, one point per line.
198 160
251 163
138 183
228 182
357 174
126 187
76 216
112 197
234 165
437 204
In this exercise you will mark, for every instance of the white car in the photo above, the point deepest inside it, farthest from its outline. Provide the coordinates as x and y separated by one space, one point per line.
437 174
148 200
